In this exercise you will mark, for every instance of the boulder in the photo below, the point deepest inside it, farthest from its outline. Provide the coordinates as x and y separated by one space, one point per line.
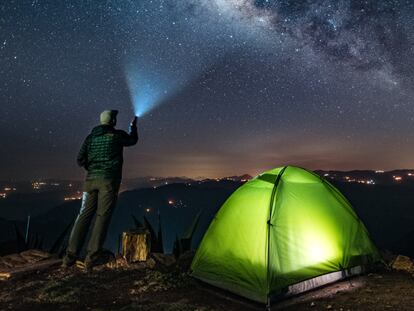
185 260
34 255
164 260
117 263
150 263
13 260
403 263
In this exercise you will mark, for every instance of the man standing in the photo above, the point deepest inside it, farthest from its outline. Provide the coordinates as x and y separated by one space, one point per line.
102 156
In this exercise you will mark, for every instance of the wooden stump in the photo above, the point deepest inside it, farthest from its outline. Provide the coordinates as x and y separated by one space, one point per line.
136 245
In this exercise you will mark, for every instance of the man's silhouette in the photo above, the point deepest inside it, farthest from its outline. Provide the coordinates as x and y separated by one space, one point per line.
102 156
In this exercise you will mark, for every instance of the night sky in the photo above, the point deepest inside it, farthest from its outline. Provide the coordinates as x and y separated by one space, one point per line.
236 86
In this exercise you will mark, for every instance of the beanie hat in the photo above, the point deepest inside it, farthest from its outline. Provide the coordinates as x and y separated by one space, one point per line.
108 117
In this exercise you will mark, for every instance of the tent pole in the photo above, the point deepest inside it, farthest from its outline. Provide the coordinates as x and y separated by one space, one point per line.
268 303
272 199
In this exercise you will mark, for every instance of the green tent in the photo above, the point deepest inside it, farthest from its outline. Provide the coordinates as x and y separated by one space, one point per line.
282 233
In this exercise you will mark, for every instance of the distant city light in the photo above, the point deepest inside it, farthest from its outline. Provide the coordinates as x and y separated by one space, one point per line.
72 198
379 171
366 182
38 185
148 210
397 178
9 189
360 181
177 203
3 195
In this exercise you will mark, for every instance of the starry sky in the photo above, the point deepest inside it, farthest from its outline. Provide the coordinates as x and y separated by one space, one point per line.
235 86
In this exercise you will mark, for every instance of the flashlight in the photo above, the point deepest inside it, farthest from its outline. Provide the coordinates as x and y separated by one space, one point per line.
134 121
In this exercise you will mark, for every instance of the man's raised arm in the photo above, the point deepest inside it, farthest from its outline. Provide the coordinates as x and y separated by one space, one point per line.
131 138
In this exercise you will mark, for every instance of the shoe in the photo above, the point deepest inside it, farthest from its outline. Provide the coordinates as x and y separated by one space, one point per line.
88 265
99 258
68 261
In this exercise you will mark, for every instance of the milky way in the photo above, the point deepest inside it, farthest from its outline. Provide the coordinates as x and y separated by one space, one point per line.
237 86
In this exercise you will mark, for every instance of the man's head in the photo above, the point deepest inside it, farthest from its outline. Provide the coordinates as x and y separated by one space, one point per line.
108 117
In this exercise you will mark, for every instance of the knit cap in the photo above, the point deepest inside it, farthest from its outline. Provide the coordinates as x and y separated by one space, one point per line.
108 117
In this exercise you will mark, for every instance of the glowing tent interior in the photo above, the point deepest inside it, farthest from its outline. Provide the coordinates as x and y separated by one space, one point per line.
282 233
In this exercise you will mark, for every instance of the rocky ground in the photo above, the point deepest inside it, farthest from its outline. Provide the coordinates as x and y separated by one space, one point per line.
161 284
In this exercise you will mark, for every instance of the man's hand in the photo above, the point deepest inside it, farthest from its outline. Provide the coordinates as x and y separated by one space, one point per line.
134 121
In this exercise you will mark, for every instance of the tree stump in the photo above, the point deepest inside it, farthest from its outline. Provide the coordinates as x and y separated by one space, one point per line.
136 245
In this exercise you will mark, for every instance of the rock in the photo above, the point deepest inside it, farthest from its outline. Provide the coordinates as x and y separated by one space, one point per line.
34 255
150 263
388 256
181 305
29 268
105 256
329 307
165 260
4 264
117 263
312 304
184 261
13 260
403 263
27 257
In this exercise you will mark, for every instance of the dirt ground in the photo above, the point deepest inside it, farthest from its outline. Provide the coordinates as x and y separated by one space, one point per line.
150 289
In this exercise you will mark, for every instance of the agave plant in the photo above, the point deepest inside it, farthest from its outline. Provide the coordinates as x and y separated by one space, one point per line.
176 247
156 239
159 237
20 241
32 240
58 246
138 224
183 244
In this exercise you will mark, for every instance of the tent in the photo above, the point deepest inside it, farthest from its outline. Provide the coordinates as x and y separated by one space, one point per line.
284 232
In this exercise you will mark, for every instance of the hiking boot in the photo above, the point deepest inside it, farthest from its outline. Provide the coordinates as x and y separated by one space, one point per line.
88 265
68 261
98 259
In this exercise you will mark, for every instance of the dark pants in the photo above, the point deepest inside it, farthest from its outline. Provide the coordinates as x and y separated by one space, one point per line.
99 197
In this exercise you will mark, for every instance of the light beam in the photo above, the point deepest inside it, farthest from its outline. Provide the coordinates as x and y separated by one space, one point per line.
146 90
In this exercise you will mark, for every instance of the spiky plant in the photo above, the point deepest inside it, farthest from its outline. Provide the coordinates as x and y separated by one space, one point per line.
155 244
183 244
58 245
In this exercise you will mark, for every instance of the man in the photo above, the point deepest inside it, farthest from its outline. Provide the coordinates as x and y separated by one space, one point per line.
102 156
